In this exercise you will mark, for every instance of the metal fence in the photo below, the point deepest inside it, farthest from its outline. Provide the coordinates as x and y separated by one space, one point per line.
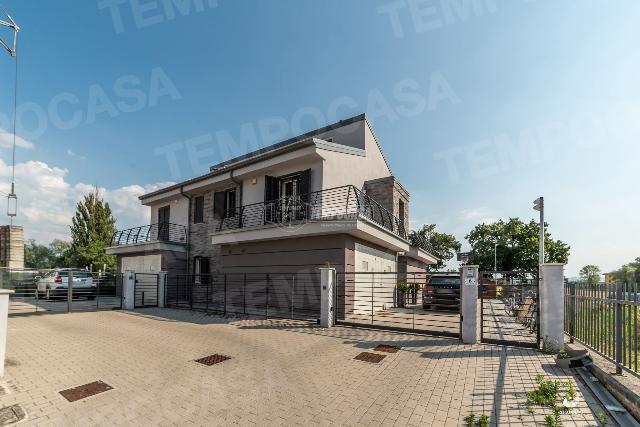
41 291
605 319
291 296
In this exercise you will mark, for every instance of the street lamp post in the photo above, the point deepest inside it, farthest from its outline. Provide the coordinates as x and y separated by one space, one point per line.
538 205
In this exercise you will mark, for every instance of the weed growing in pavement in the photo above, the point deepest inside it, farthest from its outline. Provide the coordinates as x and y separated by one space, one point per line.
602 417
546 394
469 419
571 391
553 420
483 421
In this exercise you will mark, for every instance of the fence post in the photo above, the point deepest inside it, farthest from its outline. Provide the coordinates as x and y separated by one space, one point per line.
162 284
224 290
69 290
618 329
129 285
266 304
551 297
572 311
4 315
469 304
327 286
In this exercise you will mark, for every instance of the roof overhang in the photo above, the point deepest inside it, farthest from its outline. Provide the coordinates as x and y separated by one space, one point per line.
360 228
421 255
145 247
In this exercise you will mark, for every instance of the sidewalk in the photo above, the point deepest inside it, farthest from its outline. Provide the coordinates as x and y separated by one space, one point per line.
280 373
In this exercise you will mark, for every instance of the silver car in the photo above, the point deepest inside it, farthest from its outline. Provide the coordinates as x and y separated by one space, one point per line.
56 283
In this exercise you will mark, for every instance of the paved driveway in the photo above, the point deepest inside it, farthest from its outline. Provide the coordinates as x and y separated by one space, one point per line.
280 372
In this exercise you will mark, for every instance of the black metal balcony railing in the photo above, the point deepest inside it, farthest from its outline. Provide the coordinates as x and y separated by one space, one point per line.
163 232
340 203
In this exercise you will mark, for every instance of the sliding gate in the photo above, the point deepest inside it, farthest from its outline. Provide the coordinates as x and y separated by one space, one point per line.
146 290
400 301
510 312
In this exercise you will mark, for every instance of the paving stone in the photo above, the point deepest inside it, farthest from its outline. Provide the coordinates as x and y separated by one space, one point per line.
280 373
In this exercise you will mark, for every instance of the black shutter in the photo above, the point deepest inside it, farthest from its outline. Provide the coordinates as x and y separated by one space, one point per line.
218 204
304 183
270 188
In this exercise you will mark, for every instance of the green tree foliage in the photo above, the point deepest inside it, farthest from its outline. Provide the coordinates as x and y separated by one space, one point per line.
590 273
91 230
517 245
42 256
443 246
629 272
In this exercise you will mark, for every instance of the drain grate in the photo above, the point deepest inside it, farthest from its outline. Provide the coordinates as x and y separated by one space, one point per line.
387 348
370 357
86 390
213 359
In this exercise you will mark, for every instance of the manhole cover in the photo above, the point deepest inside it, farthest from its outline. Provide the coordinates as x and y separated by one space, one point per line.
213 359
11 415
86 390
387 348
370 357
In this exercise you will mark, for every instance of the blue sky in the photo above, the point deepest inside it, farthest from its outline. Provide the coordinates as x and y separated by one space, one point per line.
479 110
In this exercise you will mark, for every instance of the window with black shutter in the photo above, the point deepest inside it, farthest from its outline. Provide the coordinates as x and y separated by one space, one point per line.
198 209
218 204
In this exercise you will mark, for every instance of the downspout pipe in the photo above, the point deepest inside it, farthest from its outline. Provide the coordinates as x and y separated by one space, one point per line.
188 228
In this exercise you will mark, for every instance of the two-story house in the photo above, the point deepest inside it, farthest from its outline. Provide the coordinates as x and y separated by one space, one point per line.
327 197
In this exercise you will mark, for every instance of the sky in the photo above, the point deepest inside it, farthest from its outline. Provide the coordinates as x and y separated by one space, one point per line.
480 106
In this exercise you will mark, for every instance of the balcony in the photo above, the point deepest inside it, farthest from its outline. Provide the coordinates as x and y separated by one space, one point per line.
162 232
341 203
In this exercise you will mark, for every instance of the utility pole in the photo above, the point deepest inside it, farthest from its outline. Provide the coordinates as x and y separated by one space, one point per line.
538 205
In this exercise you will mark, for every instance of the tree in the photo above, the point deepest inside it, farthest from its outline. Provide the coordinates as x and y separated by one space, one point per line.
590 273
441 245
516 246
629 272
91 231
41 256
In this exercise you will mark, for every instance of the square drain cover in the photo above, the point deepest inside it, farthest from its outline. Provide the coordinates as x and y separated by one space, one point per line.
387 348
11 415
84 391
370 357
213 359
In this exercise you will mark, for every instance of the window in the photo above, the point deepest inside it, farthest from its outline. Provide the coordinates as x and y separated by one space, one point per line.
200 267
198 210
401 213
230 203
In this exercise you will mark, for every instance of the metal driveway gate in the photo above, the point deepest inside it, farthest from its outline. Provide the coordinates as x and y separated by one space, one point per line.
400 301
146 290
510 309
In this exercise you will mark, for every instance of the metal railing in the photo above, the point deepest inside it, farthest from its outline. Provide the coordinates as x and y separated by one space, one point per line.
605 318
340 203
270 295
164 232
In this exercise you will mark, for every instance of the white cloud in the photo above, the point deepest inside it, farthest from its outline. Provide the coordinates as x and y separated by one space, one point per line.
46 201
70 152
6 140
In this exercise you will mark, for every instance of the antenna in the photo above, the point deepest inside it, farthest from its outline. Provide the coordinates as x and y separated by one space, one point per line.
12 49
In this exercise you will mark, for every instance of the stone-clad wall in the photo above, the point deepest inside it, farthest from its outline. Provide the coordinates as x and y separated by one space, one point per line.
389 192
200 234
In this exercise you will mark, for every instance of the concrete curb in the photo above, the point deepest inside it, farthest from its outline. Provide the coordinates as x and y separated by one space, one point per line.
629 399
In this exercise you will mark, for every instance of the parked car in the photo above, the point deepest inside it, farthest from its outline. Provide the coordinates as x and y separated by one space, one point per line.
55 284
442 291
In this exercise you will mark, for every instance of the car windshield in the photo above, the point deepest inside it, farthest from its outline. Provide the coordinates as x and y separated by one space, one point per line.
444 281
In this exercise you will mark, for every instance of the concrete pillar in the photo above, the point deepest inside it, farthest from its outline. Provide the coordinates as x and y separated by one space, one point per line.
552 307
4 316
327 296
129 290
469 304
162 286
